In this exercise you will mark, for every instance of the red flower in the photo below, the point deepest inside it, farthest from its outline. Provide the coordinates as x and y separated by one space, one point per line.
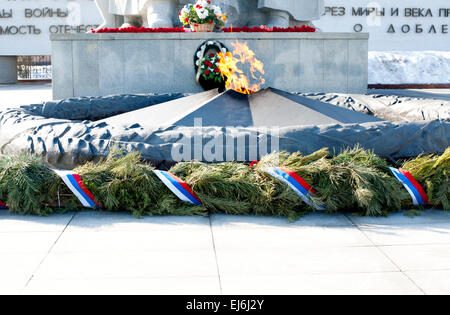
211 55
210 22
253 163
257 29
265 29
141 30
207 72
216 70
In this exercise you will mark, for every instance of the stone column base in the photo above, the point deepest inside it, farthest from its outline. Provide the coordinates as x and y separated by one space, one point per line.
8 69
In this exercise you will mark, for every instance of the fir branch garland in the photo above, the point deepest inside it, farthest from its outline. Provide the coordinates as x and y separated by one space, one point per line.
355 180
432 172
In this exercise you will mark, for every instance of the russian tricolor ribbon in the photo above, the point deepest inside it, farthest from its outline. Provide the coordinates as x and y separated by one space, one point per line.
3 205
418 195
180 188
75 184
298 184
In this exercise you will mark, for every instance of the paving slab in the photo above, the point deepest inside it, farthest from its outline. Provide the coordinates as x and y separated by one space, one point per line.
124 221
253 222
146 264
288 238
260 260
27 242
269 246
432 282
126 286
29 223
108 245
432 233
16 269
419 257
401 218
135 241
311 284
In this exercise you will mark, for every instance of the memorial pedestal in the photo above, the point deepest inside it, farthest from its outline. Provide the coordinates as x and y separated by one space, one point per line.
103 64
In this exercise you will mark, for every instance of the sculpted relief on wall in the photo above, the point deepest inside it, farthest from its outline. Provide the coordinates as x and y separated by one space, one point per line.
164 13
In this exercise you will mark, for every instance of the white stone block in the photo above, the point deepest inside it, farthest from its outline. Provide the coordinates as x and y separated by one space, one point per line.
86 75
312 66
358 71
62 69
136 65
8 69
111 67
336 66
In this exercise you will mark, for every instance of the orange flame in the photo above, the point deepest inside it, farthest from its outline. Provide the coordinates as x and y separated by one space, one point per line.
236 78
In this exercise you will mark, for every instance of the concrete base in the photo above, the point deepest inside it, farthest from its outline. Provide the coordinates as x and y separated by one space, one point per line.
103 64
8 69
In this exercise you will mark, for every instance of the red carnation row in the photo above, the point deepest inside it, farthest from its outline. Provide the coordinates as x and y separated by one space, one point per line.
264 29
141 30
246 29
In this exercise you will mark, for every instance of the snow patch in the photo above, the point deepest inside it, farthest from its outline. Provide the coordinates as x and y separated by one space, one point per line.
409 67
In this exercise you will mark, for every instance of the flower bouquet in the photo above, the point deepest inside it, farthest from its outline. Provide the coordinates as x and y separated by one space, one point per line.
202 16
209 68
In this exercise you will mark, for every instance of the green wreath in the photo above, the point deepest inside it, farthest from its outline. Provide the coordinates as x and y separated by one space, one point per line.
206 74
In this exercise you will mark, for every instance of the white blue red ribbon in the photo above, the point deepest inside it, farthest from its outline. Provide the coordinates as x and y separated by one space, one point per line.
418 195
178 187
3 205
298 184
75 184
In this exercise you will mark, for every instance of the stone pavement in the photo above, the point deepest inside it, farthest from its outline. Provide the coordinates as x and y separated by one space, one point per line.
24 94
100 253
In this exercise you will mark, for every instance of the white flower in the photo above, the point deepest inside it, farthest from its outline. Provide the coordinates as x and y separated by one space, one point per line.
217 10
198 54
185 10
203 3
202 13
